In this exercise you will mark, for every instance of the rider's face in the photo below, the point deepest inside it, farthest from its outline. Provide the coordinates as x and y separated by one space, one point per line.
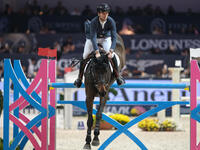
103 16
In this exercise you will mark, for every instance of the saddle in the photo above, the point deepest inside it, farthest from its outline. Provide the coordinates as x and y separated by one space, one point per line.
102 52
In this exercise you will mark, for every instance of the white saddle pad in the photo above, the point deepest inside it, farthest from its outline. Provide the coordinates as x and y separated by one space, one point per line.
118 62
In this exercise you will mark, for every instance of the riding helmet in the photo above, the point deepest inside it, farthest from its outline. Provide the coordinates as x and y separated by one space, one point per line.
103 7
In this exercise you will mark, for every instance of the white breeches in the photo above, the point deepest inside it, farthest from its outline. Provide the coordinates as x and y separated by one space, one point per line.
106 43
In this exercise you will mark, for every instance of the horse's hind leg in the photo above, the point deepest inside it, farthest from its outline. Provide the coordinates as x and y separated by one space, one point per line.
89 103
95 141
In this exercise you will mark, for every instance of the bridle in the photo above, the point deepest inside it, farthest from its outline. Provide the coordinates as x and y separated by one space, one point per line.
95 79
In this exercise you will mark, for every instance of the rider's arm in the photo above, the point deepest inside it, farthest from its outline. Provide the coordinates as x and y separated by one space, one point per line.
113 34
93 34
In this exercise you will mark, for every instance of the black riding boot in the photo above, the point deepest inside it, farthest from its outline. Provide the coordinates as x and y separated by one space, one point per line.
120 80
78 82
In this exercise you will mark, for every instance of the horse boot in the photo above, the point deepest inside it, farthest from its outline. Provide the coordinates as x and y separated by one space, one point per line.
78 82
120 80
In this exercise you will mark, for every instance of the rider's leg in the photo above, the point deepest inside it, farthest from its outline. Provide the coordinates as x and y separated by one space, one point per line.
83 62
106 45
120 80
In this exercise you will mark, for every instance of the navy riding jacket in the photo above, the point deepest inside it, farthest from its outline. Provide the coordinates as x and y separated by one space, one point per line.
96 31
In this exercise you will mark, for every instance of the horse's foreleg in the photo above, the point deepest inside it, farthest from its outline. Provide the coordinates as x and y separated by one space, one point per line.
95 141
89 103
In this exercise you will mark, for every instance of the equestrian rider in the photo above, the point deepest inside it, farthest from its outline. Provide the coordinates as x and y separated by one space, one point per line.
102 30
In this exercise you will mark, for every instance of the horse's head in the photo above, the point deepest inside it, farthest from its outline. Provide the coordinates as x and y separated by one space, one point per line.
101 74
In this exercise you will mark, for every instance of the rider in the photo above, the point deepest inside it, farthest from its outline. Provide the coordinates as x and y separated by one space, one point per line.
102 31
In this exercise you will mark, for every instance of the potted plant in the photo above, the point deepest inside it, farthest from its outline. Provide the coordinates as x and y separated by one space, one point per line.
168 125
121 118
103 124
155 125
137 110
149 125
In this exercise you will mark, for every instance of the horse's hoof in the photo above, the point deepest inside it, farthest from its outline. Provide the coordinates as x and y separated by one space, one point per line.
95 142
87 146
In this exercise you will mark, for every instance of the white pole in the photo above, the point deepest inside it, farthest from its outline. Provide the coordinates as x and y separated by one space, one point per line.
176 93
68 95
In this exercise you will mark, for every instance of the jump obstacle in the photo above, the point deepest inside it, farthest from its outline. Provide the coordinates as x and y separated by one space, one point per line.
36 93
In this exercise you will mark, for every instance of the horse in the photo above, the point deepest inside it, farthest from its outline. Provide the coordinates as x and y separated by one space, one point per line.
98 79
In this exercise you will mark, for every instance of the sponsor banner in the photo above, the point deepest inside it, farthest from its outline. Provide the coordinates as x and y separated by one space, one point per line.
136 42
129 95
162 42
135 94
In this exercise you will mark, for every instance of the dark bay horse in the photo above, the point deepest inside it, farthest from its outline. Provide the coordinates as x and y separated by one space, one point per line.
98 79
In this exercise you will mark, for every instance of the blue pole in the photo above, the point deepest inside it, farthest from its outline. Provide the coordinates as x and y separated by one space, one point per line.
129 85
127 102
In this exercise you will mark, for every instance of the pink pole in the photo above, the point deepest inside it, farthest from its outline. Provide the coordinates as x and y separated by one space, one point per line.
195 75
52 77
44 124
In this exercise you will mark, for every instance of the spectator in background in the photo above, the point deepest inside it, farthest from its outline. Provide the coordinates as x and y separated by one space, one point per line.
172 50
8 10
87 12
158 11
189 12
68 46
139 29
148 10
130 11
183 30
31 68
1 44
127 27
45 10
118 11
60 10
126 30
76 12
57 46
7 49
157 30
165 72
186 63
139 11
21 48
128 50
44 29
193 30
156 51
35 8
139 72
171 11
